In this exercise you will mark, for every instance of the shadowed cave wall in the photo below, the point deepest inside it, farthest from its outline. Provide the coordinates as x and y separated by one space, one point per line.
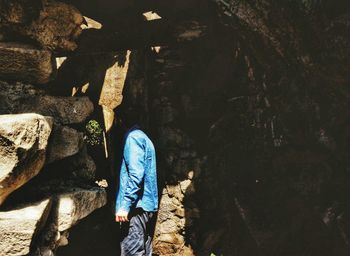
251 133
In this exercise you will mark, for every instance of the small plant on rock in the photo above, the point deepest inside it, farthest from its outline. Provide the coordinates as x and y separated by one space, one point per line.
93 133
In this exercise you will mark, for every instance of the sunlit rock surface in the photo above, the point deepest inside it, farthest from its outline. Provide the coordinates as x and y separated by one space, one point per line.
20 226
23 143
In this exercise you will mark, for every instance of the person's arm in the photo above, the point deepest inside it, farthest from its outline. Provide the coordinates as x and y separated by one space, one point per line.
134 155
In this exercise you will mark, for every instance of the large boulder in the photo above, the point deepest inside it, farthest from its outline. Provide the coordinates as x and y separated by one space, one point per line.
65 110
71 205
19 11
21 98
21 226
63 143
23 142
22 62
56 28
77 204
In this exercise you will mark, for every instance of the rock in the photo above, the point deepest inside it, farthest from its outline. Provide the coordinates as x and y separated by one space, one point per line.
63 240
21 226
75 205
19 11
22 98
80 166
13 91
175 191
83 166
168 244
26 63
91 23
168 226
144 34
184 185
64 142
57 27
111 94
44 252
23 142
65 110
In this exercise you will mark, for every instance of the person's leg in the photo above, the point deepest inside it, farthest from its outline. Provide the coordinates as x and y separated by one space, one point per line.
133 236
149 232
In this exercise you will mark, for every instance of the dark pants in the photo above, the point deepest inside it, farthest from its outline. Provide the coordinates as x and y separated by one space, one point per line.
136 235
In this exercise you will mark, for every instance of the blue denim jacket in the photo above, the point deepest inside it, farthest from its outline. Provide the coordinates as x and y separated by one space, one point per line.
138 175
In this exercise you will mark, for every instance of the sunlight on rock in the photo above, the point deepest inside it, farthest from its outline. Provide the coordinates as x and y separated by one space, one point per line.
19 227
32 212
66 211
151 16
174 217
74 91
111 94
91 23
77 204
85 87
156 48
102 183
60 61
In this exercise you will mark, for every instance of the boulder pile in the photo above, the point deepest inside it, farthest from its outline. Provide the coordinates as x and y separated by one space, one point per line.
41 133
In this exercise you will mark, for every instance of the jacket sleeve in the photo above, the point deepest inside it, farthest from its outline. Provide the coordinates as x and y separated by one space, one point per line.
134 156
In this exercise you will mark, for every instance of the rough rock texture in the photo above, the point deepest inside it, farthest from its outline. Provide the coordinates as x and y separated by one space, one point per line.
65 110
111 93
22 62
19 11
22 98
171 223
56 28
179 159
64 142
143 34
80 166
23 142
75 205
20 226
279 146
70 204
261 103
257 111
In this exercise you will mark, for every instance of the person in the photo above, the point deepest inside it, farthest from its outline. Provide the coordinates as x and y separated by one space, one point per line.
137 196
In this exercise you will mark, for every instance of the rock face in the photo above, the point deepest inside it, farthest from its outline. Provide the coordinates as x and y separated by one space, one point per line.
40 155
64 142
23 143
20 226
21 62
19 11
65 110
21 98
56 28
75 205
80 166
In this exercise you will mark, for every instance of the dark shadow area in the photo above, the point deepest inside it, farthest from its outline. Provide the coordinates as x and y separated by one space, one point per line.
97 234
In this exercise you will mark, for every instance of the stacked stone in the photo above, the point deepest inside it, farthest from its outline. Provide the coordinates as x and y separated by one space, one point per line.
36 131
179 161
